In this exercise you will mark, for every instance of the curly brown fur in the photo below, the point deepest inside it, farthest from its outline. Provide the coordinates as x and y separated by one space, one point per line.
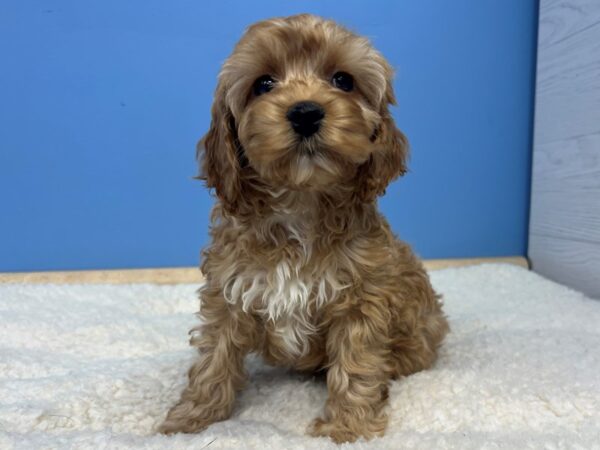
302 268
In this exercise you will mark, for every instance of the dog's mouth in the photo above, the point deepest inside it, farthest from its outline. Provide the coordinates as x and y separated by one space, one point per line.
314 145
308 146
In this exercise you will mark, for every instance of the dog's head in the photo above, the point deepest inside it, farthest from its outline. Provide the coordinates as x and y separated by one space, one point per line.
302 103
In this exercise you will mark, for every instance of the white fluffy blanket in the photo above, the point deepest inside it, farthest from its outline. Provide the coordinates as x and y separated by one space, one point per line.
97 366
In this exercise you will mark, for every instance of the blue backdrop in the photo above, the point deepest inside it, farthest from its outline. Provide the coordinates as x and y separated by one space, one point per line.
102 104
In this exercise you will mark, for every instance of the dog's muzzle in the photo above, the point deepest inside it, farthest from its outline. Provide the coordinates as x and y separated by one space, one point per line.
306 118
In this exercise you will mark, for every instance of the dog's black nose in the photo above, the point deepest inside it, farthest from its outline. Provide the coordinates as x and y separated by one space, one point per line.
306 117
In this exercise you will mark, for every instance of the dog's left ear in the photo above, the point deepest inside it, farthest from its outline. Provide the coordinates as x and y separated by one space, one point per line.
388 160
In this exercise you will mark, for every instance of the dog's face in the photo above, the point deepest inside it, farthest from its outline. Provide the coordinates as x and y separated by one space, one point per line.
303 103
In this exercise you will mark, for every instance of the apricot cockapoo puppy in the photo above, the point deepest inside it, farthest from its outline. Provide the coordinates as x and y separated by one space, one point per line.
302 267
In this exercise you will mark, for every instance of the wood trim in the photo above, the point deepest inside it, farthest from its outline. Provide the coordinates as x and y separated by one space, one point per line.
192 274
436 264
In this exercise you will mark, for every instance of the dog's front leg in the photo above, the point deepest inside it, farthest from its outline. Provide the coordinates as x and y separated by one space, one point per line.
226 337
357 378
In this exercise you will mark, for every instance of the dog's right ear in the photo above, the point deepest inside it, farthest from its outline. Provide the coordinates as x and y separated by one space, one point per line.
219 154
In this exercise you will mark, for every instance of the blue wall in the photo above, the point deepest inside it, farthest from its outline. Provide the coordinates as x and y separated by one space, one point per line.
102 103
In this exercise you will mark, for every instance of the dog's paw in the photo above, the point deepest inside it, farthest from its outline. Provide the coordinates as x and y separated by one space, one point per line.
341 432
182 426
188 417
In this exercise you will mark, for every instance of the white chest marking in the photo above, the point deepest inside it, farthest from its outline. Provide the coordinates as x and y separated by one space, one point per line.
283 295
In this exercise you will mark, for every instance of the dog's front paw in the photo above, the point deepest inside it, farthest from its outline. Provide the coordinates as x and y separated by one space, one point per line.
347 430
189 417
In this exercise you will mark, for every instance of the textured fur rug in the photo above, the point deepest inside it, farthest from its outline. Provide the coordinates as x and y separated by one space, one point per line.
97 366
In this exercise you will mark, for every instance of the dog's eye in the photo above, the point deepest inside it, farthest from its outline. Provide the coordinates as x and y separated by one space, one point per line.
263 84
343 81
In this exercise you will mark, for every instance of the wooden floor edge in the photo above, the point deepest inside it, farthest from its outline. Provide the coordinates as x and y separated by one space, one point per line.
192 274
436 264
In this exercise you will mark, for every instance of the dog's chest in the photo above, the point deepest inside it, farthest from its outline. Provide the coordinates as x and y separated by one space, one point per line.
287 296
286 291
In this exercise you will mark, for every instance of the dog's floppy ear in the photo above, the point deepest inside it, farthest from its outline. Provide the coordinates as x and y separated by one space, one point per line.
219 154
388 160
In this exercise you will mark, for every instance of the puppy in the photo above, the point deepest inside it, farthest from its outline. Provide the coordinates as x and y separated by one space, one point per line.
302 267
